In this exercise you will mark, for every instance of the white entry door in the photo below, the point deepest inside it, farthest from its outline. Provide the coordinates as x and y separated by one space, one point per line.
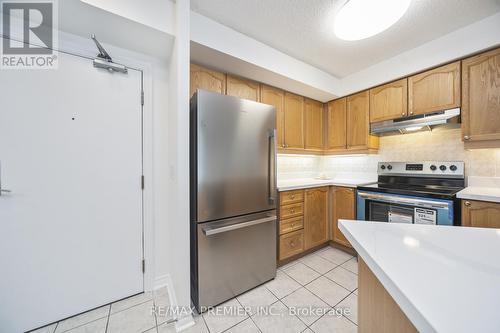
71 227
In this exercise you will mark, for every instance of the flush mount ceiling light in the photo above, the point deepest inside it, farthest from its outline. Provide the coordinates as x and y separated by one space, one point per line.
360 19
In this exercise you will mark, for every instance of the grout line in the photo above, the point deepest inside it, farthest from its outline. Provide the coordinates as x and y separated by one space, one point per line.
107 321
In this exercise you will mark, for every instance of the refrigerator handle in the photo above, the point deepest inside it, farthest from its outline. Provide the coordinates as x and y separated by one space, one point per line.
272 167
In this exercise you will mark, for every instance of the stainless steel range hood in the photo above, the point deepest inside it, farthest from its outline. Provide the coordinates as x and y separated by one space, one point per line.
425 122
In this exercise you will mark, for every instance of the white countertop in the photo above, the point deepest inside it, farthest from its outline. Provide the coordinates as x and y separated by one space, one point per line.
300 183
482 189
445 279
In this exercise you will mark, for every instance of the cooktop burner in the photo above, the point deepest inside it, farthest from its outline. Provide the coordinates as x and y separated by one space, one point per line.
425 179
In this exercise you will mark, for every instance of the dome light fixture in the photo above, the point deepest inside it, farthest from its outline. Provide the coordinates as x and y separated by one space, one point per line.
360 19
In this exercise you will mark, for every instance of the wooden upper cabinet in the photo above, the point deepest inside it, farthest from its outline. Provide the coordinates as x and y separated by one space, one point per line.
434 90
337 120
315 217
480 214
481 97
389 101
242 88
358 126
313 124
276 98
343 207
294 121
203 78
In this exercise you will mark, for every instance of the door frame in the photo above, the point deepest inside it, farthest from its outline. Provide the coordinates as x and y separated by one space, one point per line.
85 48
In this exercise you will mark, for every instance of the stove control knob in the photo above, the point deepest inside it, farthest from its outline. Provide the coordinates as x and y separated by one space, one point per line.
433 167
453 167
382 167
442 167
389 167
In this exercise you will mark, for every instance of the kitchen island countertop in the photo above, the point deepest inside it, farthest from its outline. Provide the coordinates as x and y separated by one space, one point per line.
444 279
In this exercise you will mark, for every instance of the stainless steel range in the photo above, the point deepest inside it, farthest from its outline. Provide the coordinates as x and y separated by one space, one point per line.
413 192
233 197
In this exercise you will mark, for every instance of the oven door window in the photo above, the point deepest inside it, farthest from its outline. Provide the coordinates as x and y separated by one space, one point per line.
399 213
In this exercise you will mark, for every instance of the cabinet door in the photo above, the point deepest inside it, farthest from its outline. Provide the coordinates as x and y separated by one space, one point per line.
294 121
203 78
434 90
316 217
337 122
313 124
480 214
343 207
358 106
481 97
276 98
242 88
389 101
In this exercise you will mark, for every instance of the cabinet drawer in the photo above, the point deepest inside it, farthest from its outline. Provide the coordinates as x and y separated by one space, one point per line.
292 224
291 244
292 210
289 197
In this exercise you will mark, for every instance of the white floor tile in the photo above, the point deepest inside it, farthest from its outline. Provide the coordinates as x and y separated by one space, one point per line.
246 326
301 273
98 326
308 307
356 291
351 303
278 320
290 264
333 323
138 318
257 297
162 303
345 278
82 319
46 329
282 285
198 327
317 263
351 265
131 301
335 255
224 316
328 291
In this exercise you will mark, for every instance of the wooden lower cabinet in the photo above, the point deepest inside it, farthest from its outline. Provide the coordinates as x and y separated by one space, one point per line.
343 207
315 217
480 214
377 310
291 244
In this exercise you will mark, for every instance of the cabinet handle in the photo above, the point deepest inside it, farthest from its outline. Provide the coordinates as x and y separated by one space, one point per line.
466 137
403 114
292 243
411 112
292 211
467 203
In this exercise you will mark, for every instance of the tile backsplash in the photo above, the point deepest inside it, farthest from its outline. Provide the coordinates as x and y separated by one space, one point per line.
440 145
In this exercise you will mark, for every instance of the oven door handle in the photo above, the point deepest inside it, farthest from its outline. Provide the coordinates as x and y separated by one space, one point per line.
401 200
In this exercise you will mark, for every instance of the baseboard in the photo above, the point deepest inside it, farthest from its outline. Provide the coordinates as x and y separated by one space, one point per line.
166 281
161 281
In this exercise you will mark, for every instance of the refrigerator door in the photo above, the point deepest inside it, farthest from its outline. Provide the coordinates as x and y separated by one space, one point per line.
234 255
236 156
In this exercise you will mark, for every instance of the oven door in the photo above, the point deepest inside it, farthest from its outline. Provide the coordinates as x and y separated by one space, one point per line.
395 208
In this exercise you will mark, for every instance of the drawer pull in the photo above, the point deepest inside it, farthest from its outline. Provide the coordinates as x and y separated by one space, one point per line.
467 203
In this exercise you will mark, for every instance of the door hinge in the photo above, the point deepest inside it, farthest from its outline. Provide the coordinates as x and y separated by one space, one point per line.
142 98
143 265
142 182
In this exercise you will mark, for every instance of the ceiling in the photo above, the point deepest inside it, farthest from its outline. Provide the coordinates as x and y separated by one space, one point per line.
303 29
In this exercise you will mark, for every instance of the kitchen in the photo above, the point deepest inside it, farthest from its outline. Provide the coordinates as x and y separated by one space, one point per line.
266 169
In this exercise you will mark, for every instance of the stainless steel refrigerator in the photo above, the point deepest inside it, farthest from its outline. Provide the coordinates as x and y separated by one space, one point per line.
233 196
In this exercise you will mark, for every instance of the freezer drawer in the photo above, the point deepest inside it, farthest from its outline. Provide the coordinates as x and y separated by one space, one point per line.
234 256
